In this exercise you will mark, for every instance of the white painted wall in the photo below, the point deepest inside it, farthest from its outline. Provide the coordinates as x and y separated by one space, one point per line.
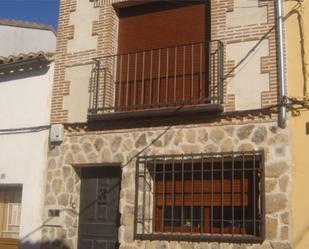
25 102
248 82
16 40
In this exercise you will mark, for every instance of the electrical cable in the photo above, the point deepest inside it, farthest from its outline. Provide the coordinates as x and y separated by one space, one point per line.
24 130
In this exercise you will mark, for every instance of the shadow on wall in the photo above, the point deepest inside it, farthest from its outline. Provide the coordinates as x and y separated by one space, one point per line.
22 72
56 244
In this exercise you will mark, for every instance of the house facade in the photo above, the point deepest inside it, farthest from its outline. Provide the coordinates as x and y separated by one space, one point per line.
297 75
171 137
26 77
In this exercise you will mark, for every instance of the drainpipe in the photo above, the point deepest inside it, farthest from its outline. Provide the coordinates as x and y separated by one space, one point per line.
281 64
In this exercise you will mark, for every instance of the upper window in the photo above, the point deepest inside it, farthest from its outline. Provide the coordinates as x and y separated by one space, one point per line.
165 60
163 55
214 197
163 24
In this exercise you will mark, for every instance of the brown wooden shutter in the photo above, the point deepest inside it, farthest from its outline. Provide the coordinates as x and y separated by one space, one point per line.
154 26
160 25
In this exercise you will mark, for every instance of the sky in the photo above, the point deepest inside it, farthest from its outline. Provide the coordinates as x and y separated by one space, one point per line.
43 11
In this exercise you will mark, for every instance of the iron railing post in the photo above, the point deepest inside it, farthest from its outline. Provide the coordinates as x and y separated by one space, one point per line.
98 64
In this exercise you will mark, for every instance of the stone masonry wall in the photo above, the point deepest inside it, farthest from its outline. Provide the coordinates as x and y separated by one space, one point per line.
122 146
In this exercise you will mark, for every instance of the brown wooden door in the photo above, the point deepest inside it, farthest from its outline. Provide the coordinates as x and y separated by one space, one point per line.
9 244
167 73
99 204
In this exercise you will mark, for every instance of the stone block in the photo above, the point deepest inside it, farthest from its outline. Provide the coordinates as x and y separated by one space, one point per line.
244 132
271 228
275 203
276 169
216 135
259 135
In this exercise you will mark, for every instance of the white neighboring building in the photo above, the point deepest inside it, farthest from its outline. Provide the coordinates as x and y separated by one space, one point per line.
26 76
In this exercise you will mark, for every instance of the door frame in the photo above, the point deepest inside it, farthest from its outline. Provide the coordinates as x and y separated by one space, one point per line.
78 169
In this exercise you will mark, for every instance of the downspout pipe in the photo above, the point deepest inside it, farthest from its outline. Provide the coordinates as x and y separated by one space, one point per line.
281 64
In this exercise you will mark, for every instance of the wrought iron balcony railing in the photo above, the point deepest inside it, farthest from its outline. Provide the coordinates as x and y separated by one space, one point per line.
172 77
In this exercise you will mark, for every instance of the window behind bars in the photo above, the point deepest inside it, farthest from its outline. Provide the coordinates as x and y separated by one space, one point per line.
210 197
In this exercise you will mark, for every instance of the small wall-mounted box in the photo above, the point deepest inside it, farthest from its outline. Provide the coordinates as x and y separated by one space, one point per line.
56 133
52 217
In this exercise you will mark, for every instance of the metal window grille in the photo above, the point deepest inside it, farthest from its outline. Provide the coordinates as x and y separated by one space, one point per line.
201 197
190 74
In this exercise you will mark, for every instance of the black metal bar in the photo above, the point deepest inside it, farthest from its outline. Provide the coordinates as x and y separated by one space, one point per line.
243 194
167 80
233 183
192 192
263 208
97 85
173 192
202 194
184 74
209 69
156 49
150 77
175 74
221 67
144 196
198 238
201 71
136 196
154 219
112 85
182 192
254 198
143 79
104 89
120 85
163 205
222 196
159 75
192 74
208 154
212 195
135 78
92 87
127 85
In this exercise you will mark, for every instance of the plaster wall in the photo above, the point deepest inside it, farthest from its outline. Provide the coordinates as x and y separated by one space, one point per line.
77 101
26 99
17 40
22 161
248 82
25 102
82 20
296 52
254 13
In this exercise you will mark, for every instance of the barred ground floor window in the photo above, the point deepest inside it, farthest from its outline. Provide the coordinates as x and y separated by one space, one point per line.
203 197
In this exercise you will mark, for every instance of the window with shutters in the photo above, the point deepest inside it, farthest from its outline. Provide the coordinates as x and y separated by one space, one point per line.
214 197
165 59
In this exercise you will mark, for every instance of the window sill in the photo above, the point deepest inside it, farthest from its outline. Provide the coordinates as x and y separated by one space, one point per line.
201 238
208 109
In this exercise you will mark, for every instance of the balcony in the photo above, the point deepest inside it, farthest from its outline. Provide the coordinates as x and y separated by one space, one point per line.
182 79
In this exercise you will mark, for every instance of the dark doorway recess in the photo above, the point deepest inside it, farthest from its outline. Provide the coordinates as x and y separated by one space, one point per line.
99 217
